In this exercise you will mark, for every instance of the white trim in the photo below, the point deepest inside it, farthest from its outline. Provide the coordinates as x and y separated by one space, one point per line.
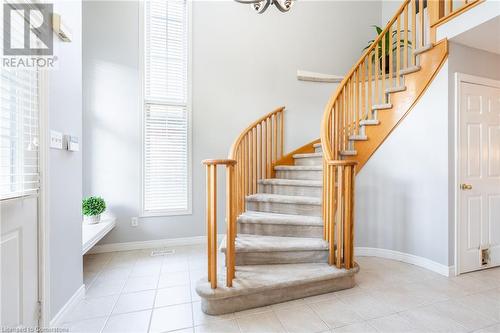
151 244
462 78
67 308
189 107
405 257
103 228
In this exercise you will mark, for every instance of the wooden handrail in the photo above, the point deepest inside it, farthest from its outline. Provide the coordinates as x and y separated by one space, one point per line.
252 157
441 12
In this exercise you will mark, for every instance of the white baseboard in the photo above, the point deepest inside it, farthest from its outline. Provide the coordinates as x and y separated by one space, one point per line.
67 308
151 244
407 258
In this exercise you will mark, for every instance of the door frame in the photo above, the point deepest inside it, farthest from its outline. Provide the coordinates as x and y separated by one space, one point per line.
43 203
459 79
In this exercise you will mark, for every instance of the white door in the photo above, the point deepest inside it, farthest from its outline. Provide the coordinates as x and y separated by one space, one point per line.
479 175
19 262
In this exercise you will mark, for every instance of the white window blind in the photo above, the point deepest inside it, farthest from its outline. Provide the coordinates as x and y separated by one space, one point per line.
166 183
19 127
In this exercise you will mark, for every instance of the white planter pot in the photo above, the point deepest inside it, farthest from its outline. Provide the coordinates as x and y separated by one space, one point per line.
93 219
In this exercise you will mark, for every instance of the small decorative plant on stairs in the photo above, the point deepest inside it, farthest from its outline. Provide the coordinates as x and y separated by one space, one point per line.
387 46
92 208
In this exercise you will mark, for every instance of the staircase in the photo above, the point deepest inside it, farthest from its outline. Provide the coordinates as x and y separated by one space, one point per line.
280 252
290 218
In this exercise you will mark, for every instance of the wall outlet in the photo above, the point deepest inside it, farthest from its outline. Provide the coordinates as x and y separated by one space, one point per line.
134 222
56 140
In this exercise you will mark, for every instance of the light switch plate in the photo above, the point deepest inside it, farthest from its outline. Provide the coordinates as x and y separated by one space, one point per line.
56 140
71 143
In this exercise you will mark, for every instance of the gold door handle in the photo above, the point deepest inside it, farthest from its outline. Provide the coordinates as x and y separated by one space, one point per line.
466 187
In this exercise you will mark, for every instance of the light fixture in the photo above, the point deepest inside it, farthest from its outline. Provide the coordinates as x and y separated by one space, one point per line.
260 6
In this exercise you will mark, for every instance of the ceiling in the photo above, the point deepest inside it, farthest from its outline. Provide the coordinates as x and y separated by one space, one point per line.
484 37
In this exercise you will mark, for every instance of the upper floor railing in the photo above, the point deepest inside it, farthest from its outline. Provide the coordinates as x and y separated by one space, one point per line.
442 11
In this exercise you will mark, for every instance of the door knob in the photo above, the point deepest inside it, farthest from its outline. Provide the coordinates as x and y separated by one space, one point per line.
466 187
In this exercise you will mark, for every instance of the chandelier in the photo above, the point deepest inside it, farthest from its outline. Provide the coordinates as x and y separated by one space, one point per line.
260 6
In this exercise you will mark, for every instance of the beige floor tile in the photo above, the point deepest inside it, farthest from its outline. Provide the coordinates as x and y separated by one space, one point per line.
170 279
93 325
367 306
104 288
483 304
93 308
172 295
140 283
355 328
300 319
288 304
137 301
145 270
252 311
336 313
110 273
432 321
133 322
396 324
221 326
199 317
469 318
491 329
265 322
171 318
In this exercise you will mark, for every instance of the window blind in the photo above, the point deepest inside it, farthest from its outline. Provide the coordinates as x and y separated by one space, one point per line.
166 118
19 127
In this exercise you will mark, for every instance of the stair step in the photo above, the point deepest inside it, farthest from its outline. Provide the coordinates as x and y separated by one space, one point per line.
423 49
358 137
384 106
317 147
261 285
311 172
265 250
395 89
308 159
409 70
285 225
348 153
299 187
284 204
369 122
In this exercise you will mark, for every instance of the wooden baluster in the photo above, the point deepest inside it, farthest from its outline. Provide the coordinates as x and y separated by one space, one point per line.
230 228
405 54
331 214
254 154
275 138
282 133
383 68
263 149
348 217
250 162
344 118
421 17
269 147
349 110
213 227
413 30
208 216
369 98
326 184
355 105
363 91
391 80
450 6
376 74
398 49
339 214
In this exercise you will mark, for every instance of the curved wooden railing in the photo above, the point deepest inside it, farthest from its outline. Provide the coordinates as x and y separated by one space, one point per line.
364 87
442 11
251 158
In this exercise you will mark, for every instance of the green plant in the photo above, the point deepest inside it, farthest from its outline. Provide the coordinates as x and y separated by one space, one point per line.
93 206
387 47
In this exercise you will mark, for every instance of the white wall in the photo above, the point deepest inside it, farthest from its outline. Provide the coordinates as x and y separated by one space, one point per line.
402 191
65 168
389 8
244 65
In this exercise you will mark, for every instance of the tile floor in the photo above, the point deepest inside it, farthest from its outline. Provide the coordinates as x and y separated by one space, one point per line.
134 292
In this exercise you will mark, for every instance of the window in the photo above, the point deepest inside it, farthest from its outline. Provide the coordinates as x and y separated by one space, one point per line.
166 124
19 127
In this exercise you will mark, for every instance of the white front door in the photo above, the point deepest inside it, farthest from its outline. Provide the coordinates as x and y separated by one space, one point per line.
19 262
478 175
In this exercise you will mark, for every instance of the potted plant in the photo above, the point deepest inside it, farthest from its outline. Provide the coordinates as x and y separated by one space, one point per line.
92 208
388 48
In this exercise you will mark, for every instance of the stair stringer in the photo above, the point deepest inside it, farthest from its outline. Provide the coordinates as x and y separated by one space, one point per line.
402 103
